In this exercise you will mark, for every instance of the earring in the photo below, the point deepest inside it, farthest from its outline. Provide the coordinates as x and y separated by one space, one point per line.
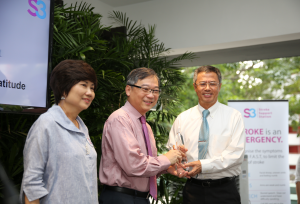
62 98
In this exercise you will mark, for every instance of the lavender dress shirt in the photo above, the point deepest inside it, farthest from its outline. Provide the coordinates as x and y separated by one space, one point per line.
57 168
124 160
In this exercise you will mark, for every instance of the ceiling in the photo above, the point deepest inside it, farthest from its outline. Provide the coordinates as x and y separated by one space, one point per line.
262 48
117 3
255 52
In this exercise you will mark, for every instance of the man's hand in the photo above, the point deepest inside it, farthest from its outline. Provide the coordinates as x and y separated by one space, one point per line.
179 172
183 150
197 168
174 156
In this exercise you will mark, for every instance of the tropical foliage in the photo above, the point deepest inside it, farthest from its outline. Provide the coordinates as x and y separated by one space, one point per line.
13 129
78 34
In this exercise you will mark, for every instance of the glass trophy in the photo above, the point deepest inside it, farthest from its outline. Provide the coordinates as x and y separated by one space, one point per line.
180 142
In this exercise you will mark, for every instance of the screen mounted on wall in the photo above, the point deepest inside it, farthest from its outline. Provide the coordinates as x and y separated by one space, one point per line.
25 44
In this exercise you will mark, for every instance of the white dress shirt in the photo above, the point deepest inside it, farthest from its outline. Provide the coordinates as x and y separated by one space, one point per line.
297 172
226 139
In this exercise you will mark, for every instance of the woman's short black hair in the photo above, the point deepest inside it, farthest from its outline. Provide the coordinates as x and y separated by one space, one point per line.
68 73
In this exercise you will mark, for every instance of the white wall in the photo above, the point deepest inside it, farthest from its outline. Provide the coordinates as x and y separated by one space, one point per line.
293 139
193 23
100 8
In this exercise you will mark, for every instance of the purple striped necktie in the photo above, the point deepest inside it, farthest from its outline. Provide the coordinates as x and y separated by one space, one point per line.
152 179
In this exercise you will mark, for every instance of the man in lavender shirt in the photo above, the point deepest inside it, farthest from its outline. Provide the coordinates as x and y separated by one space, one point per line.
126 167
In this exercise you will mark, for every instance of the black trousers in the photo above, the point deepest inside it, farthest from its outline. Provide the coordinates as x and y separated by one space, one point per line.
226 193
113 197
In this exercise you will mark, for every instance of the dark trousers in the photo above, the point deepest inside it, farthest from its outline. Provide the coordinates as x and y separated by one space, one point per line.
113 197
226 193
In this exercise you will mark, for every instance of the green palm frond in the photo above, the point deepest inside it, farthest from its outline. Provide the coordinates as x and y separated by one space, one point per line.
133 28
76 31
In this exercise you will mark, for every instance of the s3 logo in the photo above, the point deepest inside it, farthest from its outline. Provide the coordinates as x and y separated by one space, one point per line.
250 113
36 13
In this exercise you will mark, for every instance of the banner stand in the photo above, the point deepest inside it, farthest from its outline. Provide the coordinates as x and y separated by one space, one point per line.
266 130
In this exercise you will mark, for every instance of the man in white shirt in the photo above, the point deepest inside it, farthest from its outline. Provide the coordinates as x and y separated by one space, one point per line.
214 135
297 180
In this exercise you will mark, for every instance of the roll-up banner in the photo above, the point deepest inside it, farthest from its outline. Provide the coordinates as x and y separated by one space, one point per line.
266 129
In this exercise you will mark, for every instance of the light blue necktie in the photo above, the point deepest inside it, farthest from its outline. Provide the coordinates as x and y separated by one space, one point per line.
203 136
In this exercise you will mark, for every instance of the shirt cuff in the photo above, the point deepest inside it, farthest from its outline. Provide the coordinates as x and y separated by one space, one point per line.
35 193
165 162
161 173
206 166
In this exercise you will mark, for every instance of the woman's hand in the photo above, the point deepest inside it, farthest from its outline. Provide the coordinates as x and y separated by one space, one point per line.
32 202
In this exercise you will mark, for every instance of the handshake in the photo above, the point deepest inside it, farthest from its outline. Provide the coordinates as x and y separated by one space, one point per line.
177 156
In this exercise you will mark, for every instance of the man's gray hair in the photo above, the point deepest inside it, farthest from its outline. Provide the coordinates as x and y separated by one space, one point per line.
207 69
140 74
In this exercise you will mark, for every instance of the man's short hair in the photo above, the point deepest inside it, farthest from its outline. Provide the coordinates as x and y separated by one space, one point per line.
207 69
68 73
140 74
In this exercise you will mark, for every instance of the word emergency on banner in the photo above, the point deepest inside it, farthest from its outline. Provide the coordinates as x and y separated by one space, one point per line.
266 129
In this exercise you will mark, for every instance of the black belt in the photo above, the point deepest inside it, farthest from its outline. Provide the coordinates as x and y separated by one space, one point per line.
210 182
128 191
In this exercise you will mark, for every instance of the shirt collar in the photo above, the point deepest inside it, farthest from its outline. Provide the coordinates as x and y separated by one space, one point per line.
212 110
132 112
61 118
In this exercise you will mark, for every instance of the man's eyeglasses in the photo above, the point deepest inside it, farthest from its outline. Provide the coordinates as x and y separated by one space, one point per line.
147 90
212 84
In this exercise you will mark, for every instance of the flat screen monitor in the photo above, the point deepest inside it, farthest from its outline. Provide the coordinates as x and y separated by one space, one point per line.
25 53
